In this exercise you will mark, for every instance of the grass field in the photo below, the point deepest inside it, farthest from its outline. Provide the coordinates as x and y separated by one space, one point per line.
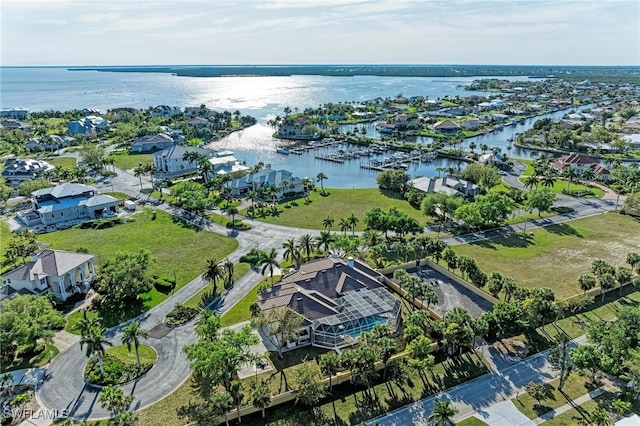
339 204
238 271
240 311
147 353
574 387
67 162
179 249
561 185
38 360
125 161
556 255
580 414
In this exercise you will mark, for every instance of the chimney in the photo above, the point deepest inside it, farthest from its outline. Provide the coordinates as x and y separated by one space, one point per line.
350 262
300 306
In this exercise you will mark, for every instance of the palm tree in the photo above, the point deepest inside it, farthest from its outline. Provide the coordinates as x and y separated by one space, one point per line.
328 223
442 413
261 396
85 324
212 271
229 267
95 342
531 181
320 178
233 211
329 365
548 179
570 174
306 243
139 172
586 282
353 222
291 251
344 225
131 335
113 399
324 241
269 261
587 175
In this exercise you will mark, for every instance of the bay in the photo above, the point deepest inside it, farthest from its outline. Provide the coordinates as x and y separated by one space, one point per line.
56 88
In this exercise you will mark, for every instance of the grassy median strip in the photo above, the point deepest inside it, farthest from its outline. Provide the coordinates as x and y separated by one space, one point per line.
240 311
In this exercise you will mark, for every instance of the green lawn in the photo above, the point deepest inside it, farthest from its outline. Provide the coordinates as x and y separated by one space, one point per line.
562 252
38 360
580 414
574 387
339 204
180 249
126 161
67 162
240 311
561 185
471 421
147 353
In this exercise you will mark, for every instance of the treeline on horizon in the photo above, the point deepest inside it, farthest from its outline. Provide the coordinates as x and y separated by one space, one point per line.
609 74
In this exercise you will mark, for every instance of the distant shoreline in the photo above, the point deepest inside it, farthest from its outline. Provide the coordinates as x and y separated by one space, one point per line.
619 73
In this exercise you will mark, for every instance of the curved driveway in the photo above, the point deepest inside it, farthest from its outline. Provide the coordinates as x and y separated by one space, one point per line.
64 387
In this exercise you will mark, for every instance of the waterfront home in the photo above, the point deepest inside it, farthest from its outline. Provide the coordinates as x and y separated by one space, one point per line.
18 170
48 143
579 162
87 126
282 179
58 272
471 124
448 185
224 162
15 113
446 127
602 174
172 162
68 202
337 300
493 158
165 111
152 143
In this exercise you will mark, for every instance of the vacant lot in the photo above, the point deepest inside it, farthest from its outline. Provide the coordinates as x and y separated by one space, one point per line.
179 248
339 204
555 256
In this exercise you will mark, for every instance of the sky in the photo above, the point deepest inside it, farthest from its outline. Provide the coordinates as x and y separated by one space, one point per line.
220 32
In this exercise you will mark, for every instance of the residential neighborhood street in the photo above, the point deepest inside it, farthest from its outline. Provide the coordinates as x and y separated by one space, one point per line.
64 387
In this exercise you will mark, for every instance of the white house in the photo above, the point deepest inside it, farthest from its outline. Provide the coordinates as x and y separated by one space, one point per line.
18 170
171 161
224 162
266 177
61 273
448 185
67 202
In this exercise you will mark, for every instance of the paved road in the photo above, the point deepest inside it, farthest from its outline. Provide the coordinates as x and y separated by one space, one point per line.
479 394
64 387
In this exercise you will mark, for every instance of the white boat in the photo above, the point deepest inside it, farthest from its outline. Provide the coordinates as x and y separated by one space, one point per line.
283 151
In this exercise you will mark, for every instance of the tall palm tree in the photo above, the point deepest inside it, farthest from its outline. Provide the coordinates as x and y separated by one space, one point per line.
131 335
570 174
587 174
233 211
548 179
329 365
353 222
323 241
85 324
531 181
229 267
306 243
291 251
269 262
95 341
139 172
113 399
213 271
442 413
328 222
344 225
320 178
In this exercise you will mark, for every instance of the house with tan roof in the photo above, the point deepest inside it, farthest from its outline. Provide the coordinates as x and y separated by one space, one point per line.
61 273
338 300
446 126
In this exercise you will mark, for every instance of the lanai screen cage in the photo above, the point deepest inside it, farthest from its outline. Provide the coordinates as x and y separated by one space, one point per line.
360 311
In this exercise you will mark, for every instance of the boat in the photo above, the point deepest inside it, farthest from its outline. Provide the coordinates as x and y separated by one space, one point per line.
283 151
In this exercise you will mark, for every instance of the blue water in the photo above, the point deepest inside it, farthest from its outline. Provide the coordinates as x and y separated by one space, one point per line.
41 89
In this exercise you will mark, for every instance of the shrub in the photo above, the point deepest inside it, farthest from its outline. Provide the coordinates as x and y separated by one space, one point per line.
238 224
163 285
180 315
116 372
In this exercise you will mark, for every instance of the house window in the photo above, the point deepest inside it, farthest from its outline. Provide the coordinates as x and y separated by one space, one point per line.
43 281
